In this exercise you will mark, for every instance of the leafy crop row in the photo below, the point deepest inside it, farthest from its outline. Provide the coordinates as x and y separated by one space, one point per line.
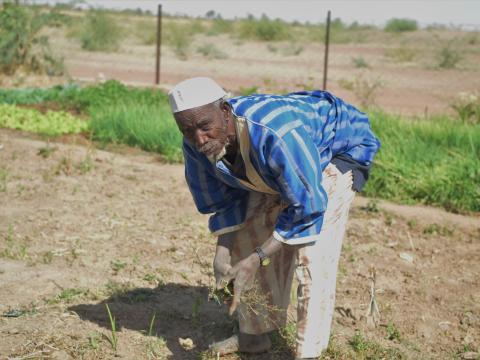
52 123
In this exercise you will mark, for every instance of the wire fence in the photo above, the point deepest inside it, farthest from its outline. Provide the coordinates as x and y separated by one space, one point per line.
404 69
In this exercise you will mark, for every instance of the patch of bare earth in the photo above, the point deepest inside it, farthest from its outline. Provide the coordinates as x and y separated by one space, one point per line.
81 228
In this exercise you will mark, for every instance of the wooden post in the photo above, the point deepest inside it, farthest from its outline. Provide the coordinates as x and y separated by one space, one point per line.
327 42
159 44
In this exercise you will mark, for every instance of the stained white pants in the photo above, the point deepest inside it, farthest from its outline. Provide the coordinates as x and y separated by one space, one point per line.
315 266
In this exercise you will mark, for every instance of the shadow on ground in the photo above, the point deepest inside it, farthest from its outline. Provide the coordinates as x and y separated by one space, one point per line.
181 311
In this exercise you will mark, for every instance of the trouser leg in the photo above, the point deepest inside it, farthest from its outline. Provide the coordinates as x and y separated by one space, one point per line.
263 306
317 265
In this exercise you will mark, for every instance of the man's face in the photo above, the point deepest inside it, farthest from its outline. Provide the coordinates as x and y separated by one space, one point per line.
205 127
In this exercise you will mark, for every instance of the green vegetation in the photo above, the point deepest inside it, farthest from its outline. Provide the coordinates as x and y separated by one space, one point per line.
179 37
113 339
21 45
263 29
448 57
467 106
210 51
432 161
401 25
367 349
100 32
52 123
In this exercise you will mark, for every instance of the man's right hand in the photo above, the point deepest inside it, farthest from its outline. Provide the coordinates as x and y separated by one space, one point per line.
221 266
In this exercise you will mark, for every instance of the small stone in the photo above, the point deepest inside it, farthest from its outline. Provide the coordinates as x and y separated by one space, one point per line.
187 343
407 257
470 355
444 325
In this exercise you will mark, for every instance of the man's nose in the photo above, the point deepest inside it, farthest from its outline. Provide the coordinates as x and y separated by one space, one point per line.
200 138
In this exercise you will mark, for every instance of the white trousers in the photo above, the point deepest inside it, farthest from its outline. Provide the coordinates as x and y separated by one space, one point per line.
315 266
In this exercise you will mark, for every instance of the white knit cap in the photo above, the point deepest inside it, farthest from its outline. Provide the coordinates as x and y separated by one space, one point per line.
194 92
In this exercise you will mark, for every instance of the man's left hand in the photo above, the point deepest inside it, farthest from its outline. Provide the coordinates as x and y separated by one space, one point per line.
243 274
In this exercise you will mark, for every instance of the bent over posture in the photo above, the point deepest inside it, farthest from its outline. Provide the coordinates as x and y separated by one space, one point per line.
278 173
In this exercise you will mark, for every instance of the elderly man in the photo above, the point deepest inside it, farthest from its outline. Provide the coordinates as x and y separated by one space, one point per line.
279 174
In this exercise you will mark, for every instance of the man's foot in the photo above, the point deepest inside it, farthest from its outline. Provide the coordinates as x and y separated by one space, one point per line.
242 342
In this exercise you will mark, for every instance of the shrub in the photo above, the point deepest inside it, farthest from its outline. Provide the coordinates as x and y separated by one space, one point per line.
467 107
401 25
220 26
100 32
264 29
146 31
179 37
210 51
364 89
22 46
448 58
359 62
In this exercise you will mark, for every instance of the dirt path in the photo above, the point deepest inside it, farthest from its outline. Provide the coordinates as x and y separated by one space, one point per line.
83 227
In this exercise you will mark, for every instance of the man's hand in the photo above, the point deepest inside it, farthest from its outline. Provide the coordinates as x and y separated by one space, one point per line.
222 266
243 273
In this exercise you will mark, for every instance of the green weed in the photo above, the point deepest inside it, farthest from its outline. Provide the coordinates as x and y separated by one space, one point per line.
360 62
448 58
67 295
152 322
467 107
367 349
46 151
392 332
113 326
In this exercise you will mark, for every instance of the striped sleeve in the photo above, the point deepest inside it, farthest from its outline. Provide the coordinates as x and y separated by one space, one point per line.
228 204
294 163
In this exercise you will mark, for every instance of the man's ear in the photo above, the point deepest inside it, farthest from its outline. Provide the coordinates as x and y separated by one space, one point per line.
225 106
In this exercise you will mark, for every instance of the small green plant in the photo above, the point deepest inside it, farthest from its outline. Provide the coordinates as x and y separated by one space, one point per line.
117 265
360 62
372 206
67 295
100 32
392 332
46 151
210 51
401 25
152 323
364 89
467 107
435 229
113 326
448 58
93 340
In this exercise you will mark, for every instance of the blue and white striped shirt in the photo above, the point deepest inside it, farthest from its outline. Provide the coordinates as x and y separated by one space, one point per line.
292 139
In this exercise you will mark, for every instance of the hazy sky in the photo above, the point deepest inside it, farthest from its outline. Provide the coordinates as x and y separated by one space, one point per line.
448 12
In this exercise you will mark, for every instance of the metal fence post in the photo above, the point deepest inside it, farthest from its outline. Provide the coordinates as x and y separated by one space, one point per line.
159 43
327 43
